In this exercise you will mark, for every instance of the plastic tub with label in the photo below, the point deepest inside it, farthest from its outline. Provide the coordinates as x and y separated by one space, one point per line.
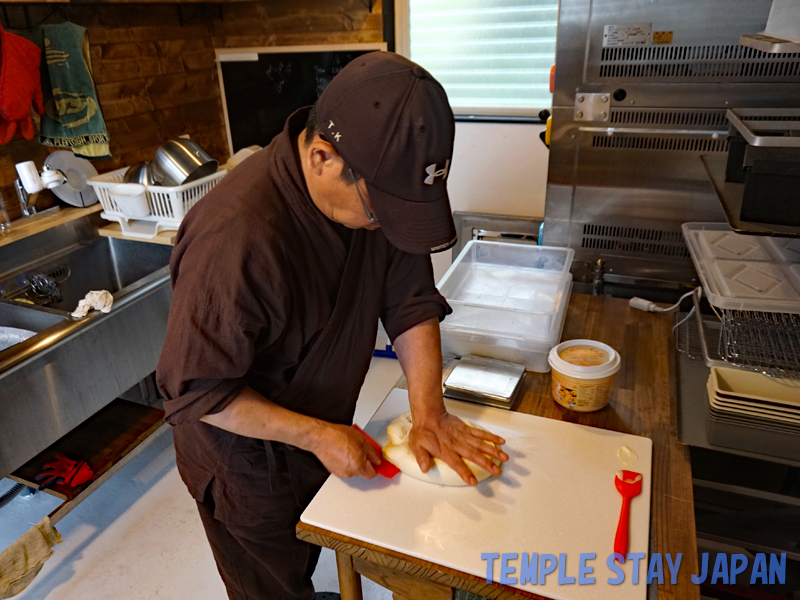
582 374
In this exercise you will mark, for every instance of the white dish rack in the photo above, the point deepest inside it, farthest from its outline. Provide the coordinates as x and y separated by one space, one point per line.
168 205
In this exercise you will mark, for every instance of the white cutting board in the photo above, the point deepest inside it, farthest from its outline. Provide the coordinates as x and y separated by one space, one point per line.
556 495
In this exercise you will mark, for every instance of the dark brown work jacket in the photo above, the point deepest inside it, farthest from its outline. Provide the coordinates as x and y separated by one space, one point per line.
267 295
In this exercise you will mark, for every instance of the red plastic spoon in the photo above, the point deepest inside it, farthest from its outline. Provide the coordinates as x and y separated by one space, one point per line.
629 484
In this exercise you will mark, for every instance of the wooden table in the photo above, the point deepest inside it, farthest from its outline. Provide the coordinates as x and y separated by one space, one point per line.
642 403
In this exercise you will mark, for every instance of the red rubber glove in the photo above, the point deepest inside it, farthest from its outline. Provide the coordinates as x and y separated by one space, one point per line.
70 472
20 85
7 129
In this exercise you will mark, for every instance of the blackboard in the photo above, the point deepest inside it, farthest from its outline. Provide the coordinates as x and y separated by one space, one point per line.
261 94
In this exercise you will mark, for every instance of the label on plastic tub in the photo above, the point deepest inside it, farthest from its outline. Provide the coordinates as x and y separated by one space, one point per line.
584 356
581 395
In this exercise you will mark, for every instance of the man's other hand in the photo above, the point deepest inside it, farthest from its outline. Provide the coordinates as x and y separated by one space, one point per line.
448 438
345 452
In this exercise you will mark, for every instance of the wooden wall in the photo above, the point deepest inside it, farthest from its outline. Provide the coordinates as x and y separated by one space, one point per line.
298 22
155 72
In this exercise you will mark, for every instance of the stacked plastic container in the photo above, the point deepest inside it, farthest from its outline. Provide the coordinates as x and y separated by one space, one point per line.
750 411
509 302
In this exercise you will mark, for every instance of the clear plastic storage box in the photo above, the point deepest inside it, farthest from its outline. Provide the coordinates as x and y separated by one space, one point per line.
509 301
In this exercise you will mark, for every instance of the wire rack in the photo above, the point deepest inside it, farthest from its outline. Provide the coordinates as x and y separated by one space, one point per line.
768 342
687 339
757 341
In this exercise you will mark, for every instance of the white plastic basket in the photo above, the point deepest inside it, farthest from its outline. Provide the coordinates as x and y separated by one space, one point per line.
168 205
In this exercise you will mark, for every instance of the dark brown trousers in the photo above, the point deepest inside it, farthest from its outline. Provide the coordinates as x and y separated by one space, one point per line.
263 559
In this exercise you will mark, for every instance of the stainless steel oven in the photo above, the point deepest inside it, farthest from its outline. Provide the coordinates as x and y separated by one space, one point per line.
641 90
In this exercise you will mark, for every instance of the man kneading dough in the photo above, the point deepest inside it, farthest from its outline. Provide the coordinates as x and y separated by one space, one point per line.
280 275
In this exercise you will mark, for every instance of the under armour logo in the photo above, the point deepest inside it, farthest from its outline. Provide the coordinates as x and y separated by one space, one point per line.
433 173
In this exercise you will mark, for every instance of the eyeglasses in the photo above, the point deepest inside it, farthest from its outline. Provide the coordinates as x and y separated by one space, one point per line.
372 218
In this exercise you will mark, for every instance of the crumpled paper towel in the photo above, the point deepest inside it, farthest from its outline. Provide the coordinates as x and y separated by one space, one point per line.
101 300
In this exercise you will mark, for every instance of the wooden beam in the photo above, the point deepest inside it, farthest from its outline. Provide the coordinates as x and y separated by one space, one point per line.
401 584
114 230
349 580
412 566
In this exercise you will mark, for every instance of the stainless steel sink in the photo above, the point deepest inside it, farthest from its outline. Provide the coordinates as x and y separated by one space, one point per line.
24 317
72 368
94 264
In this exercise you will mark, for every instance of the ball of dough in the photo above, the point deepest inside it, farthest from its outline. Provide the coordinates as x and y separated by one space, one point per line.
398 452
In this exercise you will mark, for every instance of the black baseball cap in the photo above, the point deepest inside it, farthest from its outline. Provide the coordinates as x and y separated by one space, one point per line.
390 121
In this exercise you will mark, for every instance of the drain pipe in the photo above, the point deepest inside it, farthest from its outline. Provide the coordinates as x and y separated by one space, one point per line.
11 494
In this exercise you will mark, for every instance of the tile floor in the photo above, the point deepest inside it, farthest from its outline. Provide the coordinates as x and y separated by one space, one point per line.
138 537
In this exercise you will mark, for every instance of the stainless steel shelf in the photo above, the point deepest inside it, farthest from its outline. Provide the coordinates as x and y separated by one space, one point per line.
730 196
752 123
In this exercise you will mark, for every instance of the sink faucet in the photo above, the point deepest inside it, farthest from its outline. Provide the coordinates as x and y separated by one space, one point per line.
26 200
30 183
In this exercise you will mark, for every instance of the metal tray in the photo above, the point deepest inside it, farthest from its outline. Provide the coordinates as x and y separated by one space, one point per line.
485 381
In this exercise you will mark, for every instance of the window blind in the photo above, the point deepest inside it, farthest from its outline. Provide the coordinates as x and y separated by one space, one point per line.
492 56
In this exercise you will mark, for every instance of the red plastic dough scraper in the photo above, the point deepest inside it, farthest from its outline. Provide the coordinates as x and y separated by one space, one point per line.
386 468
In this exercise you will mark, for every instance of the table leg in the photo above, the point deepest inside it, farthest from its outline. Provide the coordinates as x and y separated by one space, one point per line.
349 580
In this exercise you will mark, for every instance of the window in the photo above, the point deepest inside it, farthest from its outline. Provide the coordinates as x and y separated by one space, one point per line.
492 56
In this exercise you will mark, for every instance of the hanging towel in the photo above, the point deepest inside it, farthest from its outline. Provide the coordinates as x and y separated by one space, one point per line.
20 86
22 560
72 116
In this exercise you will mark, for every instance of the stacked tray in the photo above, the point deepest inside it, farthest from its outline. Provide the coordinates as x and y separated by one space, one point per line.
753 284
745 272
750 411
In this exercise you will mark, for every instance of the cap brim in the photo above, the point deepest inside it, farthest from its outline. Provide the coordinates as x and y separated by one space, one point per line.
414 227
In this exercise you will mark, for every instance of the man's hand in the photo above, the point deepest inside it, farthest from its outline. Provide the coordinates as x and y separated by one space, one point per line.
448 438
435 432
345 452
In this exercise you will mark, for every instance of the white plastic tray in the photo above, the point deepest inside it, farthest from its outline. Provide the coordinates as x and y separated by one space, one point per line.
787 249
745 272
755 389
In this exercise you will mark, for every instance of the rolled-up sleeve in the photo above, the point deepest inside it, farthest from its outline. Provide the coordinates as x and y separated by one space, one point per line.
410 295
219 313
